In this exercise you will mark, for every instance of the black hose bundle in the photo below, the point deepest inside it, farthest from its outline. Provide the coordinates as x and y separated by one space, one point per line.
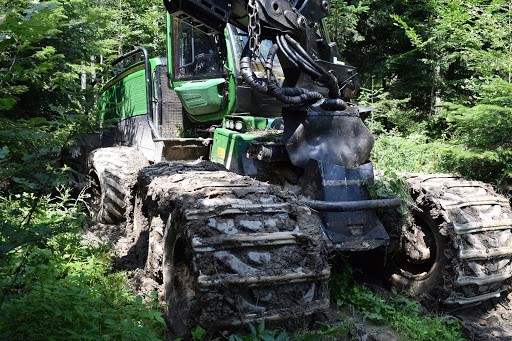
295 96
300 59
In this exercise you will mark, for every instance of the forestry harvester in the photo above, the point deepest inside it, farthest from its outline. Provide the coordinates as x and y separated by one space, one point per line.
239 160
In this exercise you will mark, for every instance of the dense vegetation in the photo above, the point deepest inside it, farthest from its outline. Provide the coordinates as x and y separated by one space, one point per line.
438 71
53 284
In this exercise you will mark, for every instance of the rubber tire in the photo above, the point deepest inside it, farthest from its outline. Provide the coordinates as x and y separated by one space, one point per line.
178 278
422 280
113 173
103 201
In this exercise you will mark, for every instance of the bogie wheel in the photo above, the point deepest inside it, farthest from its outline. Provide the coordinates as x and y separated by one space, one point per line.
236 251
113 173
458 250
179 281
419 264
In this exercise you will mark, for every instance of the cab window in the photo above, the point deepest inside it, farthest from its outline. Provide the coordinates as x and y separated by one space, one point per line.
195 53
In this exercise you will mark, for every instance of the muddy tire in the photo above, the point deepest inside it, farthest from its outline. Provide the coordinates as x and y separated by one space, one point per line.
420 264
155 249
236 250
459 250
113 173
178 274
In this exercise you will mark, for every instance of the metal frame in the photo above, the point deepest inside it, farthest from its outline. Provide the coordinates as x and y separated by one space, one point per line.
149 87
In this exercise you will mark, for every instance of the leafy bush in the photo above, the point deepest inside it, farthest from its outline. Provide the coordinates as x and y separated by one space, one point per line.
401 313
55 286
492 166
481 143
391 114
31 152
52 284
260 333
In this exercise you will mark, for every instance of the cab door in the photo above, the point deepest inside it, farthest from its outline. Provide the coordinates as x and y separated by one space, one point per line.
197 72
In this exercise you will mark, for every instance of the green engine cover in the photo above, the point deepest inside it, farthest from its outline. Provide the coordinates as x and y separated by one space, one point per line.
230 144
124 96
229 148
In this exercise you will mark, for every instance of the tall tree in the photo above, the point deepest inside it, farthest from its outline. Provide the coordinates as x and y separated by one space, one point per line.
44 46
384 55
467 42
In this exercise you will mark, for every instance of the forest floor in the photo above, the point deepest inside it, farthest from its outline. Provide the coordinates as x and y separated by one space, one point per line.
491 320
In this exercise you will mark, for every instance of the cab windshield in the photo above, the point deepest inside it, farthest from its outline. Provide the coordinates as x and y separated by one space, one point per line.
195 53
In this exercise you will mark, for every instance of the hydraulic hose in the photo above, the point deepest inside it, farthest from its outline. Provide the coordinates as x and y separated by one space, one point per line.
246 71
286 51
294 96
326 78
301 63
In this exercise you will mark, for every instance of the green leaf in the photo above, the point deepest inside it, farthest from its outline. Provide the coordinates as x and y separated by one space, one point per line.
198 333
3 153
253 329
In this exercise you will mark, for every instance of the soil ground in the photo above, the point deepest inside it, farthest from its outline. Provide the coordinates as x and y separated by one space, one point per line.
491 320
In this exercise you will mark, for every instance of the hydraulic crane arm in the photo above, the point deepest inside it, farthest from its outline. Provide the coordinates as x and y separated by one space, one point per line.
312 68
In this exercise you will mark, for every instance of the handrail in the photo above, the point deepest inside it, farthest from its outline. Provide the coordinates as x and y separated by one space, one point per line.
149 85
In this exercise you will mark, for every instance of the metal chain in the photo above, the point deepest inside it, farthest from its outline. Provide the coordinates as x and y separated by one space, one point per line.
254 28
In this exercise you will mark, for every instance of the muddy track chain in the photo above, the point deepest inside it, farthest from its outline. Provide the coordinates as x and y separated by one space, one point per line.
252 252
115 168
478 224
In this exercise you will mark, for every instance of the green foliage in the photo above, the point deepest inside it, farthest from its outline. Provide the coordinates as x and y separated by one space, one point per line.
55 286
487 123
390 113
479 135
484 165
198 334
70 294
472 141
389 184
463 43
339 330
410 153
343 20
45 47
401 313
141 23
29 221
23 25
52 284
384 55
30 158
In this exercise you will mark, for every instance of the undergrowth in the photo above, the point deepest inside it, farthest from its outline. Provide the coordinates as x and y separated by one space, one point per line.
55 286
409 153
398 311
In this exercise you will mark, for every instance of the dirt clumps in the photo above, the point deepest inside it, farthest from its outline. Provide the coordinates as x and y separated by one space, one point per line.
491 320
